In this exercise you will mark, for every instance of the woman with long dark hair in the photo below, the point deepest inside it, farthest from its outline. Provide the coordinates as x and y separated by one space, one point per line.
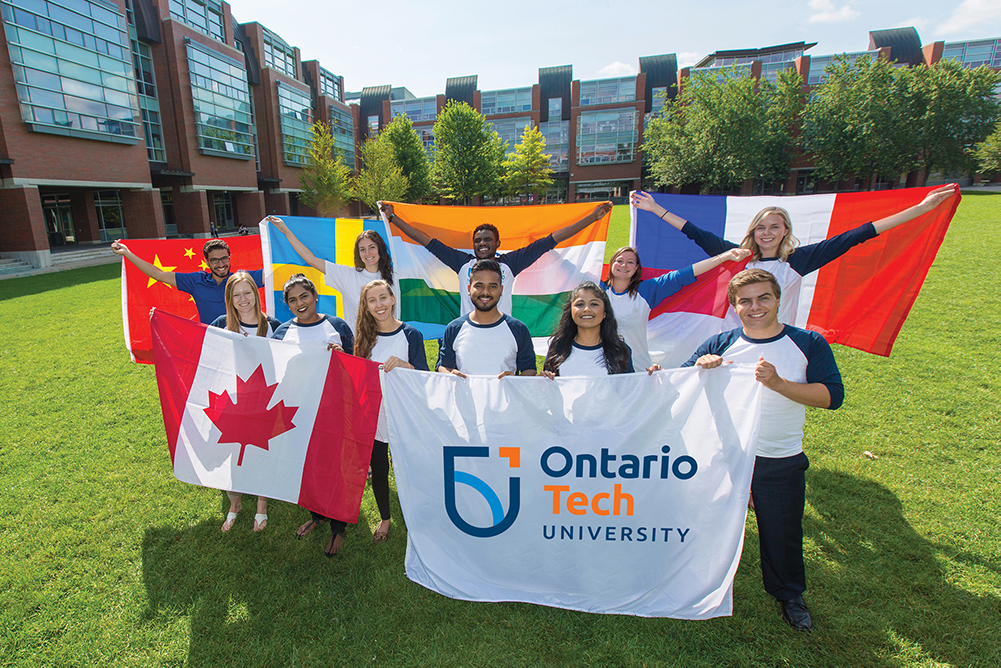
381 337
632 298
371 259
586 341
244 315
772 246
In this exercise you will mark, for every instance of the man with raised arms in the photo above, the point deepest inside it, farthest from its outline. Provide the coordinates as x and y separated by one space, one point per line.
207 288
486 241
486 341
797 369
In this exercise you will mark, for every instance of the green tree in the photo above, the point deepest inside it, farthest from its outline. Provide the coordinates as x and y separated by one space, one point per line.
857 122
988 153
326 181
952 110
467 156
722 130
380 177
408 150
527 170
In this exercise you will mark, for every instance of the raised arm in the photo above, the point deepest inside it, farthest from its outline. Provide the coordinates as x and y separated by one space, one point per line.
300 248
157 274
565 233
645 201
931 201
405 227
732 255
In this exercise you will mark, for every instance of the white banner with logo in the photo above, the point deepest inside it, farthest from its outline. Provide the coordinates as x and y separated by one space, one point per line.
622 494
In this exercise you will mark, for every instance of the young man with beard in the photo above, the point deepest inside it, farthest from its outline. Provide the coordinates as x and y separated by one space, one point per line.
207 288
486 341
798 369
486 241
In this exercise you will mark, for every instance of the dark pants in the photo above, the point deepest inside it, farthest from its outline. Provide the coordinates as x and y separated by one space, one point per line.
380 486
778 488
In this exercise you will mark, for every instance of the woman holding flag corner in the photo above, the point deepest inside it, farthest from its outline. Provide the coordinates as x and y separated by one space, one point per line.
773 247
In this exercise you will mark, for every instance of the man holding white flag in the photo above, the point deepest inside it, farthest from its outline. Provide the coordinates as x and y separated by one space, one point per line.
798 369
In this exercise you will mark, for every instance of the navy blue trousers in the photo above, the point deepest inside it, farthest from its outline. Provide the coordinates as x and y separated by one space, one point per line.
778 488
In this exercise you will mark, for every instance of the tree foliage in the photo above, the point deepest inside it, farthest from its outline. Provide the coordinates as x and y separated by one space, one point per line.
952 110
722 130
380 178
326 180
857 121
527 170
409 153
467 156
988 153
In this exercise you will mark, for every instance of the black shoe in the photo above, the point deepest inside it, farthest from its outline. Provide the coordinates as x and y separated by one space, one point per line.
797 614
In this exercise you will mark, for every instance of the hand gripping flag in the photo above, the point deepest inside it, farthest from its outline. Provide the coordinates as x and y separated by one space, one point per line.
861 299
141 293
619 494
260 416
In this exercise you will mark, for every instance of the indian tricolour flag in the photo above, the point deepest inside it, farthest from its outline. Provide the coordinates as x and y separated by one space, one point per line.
430 290
331 239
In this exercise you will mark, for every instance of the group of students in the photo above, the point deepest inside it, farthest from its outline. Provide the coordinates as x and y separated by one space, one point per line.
602 330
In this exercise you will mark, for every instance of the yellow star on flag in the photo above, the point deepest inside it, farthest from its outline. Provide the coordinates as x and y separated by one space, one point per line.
156 263
189 252
204 266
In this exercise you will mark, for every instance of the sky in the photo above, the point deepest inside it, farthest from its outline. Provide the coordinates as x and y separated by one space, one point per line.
420 45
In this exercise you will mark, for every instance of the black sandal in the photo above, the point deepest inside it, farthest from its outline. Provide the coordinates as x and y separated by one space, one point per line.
306 529
333 546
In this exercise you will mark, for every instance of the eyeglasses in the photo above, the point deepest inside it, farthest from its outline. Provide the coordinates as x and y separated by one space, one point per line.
218 260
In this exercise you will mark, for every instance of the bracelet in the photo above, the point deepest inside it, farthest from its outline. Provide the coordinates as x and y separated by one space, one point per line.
390 217
665 213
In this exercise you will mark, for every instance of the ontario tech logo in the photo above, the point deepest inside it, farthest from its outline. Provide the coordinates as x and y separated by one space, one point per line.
501 522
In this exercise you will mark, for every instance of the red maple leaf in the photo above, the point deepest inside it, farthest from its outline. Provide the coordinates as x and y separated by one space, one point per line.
248 420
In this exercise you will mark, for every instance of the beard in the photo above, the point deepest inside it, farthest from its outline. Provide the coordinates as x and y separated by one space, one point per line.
484 309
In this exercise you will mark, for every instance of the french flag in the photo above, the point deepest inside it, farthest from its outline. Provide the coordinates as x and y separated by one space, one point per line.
260 416
859 299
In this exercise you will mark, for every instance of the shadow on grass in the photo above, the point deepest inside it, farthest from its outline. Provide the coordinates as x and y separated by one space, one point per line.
884 589
11 288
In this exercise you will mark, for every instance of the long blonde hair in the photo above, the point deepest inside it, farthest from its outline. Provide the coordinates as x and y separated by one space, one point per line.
789 242
232 317
367 328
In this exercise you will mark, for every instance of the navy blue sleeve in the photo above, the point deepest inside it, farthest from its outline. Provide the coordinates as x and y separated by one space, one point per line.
630 368
280 331
219 322
258 276
716 345
523 258
657 289
707 241
814 256
347 338
452 258
274 322
446 351
186 281
820 364
526 351
415 348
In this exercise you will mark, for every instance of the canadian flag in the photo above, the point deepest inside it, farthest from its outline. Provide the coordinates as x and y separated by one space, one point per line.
260 416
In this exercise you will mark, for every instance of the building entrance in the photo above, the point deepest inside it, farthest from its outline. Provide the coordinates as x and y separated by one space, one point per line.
59 219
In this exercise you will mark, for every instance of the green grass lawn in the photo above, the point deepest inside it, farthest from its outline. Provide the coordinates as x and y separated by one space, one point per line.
106 559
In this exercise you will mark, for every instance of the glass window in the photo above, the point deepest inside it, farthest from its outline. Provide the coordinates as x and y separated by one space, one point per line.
110 218
506 101
422 109
373 126
295 109
67 88
204 16
770 71
819 64
221 98
278 55
330 85
719 72
659 94
342 126
974 54
555 108
557 136
606 136
426 134
607 91
510 130
590 191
